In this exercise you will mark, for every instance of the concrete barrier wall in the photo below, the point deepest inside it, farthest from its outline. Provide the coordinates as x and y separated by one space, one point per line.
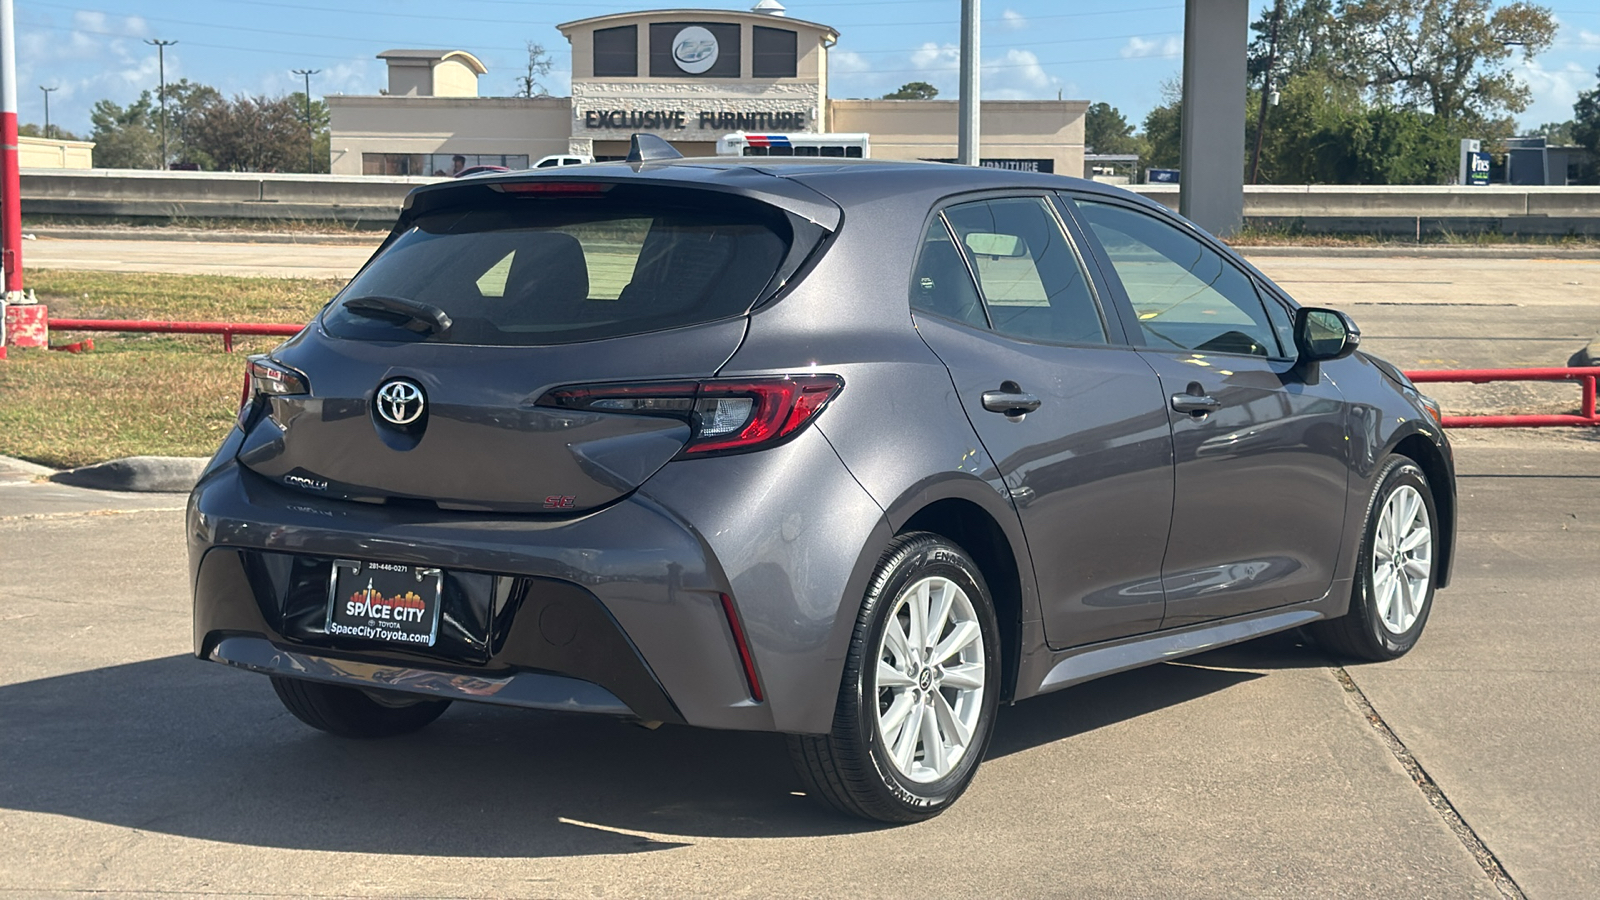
371 200
124 193
1403 209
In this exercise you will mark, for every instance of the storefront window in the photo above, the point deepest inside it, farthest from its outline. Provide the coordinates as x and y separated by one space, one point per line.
441 164
774 52
616 52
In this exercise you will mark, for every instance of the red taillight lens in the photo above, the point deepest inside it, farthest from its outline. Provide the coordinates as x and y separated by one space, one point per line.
552 188
263 377
743 646
726 415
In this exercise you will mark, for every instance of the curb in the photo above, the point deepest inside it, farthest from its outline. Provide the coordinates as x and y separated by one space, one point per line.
24 468
154 233
137 474
1589 355
1416 251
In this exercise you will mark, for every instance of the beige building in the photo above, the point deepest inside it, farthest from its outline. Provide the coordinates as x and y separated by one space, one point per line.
43 153
689 76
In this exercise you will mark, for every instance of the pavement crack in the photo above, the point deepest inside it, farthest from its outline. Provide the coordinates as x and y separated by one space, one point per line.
1435 795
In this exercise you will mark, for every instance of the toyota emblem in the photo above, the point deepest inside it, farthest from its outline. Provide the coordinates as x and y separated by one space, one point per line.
400 402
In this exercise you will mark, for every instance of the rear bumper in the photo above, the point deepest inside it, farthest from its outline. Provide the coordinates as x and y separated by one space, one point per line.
626 599
530 690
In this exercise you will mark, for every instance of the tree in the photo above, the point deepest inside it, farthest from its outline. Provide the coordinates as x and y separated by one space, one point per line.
185 102
913 90
1163 128
1105 130
252 134
57 133
529 85
1306 40
1586 119
320 127
125 137
1449 57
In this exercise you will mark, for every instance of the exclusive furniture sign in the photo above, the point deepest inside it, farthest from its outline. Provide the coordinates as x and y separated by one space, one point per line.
706 120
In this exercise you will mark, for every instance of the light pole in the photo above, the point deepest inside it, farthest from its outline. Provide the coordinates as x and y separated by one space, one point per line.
47 108
967 134
311 131
161 57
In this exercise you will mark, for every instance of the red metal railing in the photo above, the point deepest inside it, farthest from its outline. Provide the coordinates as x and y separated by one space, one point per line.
226 329
1585 376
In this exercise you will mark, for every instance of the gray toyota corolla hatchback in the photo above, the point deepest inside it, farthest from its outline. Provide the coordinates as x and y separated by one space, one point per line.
850 450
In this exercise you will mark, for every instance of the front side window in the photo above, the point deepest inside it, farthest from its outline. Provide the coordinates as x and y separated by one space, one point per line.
1186 295
1033 284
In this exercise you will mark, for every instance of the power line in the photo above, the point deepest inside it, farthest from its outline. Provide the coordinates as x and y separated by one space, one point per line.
400 41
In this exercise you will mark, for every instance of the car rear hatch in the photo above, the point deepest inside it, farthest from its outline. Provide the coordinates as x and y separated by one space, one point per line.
433 377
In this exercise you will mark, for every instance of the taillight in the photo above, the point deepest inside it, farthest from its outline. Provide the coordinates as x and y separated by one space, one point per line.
263 377
725 415
552 188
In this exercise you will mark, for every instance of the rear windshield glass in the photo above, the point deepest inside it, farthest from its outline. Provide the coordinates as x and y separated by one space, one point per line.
544 269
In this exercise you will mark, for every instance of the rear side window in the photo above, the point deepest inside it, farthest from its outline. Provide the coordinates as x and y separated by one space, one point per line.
1033 284
536 269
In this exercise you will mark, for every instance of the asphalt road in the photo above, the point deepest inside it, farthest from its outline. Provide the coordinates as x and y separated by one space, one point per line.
128 768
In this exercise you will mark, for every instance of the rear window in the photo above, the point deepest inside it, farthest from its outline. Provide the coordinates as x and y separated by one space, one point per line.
549 269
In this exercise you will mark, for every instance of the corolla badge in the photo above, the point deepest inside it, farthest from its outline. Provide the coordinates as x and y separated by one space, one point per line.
400 402
694 50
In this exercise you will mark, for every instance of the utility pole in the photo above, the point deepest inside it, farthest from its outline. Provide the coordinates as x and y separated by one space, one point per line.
47 92
967 140
161 57
311 131
10 176
1266 91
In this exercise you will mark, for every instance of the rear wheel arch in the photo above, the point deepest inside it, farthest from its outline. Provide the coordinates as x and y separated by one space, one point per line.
971 527
1420 449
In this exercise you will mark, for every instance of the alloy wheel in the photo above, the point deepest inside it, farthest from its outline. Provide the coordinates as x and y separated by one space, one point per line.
930 679
1402 559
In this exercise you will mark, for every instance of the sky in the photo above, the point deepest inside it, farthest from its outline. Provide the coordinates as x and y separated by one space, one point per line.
1116 51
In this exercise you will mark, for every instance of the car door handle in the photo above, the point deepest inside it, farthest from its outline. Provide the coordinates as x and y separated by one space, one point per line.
1195 404
1010 403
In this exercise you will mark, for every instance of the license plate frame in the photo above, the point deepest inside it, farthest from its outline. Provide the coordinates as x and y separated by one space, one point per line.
388 603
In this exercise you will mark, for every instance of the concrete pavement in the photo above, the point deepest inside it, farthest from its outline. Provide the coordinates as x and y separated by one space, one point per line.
132 769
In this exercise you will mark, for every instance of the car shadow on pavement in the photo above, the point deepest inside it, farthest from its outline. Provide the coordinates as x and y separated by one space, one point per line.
176 746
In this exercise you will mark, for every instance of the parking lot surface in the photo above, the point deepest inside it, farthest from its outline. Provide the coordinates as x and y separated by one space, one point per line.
1470 768
130 768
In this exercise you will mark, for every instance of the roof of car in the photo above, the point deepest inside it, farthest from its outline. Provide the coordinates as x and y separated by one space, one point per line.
792 183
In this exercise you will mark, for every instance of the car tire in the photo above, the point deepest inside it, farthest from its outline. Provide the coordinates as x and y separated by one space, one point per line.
1394 583
353 712
910 729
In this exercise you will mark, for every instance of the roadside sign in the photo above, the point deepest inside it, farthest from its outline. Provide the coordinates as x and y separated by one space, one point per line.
1161 176
1477 167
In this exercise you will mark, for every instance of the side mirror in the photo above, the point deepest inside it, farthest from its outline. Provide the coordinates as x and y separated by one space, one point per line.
1323 334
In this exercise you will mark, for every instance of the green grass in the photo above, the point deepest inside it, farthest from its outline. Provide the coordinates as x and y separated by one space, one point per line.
139 394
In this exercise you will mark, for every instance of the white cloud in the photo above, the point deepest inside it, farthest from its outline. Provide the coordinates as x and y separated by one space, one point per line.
1018 76
1013 20
936 58
847 62
1014 75
1554 90
1589 40
1140 48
